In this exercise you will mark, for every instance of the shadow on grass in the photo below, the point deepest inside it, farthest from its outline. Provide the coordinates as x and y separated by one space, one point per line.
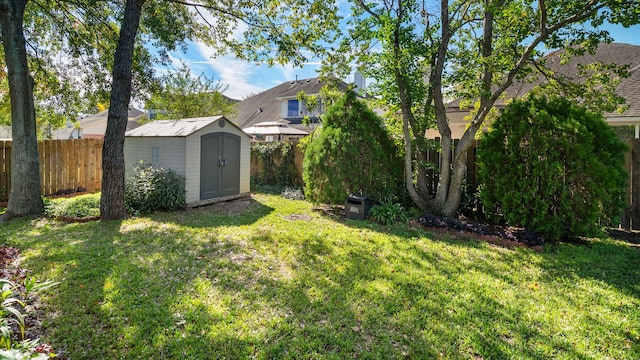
244 211
171 287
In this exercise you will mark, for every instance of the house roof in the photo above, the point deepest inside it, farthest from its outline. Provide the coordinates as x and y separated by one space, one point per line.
173 128
613 53
95 125
266 106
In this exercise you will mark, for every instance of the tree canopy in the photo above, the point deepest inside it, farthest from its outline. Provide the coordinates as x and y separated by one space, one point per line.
425 53
181 96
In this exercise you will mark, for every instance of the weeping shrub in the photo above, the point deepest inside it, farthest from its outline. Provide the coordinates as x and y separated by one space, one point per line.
551 166
149 188
351 153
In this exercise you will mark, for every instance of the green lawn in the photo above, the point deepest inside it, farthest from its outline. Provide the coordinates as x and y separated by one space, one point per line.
281 280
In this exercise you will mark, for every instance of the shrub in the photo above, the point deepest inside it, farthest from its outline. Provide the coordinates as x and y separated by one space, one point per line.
553 167
82 206
149 188
351 153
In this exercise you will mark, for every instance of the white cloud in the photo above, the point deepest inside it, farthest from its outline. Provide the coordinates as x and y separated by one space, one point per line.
230 71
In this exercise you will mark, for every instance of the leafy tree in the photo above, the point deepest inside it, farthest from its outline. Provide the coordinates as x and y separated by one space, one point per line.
53 61
183 96
25 172
422 53
273 31
553 167
350 154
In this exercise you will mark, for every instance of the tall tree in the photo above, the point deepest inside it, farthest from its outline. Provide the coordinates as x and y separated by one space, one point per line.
423 53
112 197
272 31
53 59
183 95
24 198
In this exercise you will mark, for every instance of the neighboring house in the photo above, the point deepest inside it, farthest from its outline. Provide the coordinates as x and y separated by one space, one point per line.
95 126
89 126
614 53
70 132
281 103
5 132
212 153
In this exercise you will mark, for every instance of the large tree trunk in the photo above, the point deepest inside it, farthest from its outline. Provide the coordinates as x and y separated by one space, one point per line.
113 171
25 196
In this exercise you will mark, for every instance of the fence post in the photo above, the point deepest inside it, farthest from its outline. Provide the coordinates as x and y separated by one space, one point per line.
635 185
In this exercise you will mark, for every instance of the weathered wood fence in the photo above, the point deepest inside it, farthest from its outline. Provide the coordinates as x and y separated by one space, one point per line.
64 164
69 164
630 218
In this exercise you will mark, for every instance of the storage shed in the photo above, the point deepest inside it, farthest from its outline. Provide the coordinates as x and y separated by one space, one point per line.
212 153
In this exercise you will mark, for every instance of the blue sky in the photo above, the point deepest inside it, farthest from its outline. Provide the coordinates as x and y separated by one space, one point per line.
244 78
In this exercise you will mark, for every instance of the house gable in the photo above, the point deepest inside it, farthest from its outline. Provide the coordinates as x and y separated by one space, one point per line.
273 104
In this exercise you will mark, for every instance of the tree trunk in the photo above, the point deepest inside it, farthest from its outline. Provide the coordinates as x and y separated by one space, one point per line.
113 170
455 185
25 196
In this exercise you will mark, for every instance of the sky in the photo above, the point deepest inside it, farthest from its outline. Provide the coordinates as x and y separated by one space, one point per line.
245 79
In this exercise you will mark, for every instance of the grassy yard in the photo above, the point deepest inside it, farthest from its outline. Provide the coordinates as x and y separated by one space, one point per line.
279 280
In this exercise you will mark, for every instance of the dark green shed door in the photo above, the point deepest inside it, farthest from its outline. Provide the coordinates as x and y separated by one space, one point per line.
219 165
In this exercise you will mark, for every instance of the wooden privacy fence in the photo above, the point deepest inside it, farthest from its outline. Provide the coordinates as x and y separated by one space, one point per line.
630 218
64 164
69 164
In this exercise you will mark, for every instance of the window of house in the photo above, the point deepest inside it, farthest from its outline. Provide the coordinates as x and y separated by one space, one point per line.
155 154
293 108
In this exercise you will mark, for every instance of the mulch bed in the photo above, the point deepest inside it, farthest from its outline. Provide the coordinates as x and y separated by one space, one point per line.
7 256
500 235
10 270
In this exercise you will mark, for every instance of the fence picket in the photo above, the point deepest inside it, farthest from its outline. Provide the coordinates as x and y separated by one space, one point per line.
64 164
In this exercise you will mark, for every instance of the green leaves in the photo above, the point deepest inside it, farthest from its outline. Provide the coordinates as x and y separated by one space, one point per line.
148 189
350 154
184 96
553 167
388 212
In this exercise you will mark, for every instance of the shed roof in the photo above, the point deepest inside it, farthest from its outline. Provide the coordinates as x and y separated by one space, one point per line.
169 128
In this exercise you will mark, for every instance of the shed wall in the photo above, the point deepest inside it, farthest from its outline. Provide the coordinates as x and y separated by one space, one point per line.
172 152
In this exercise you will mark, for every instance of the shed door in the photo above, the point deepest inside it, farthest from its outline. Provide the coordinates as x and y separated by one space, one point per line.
219 165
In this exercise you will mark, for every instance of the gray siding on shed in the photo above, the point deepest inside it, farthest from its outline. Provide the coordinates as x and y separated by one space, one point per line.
172 152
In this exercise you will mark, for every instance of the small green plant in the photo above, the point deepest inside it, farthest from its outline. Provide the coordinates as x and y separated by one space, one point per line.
9 313
149 188
12 315
388 212
83 206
